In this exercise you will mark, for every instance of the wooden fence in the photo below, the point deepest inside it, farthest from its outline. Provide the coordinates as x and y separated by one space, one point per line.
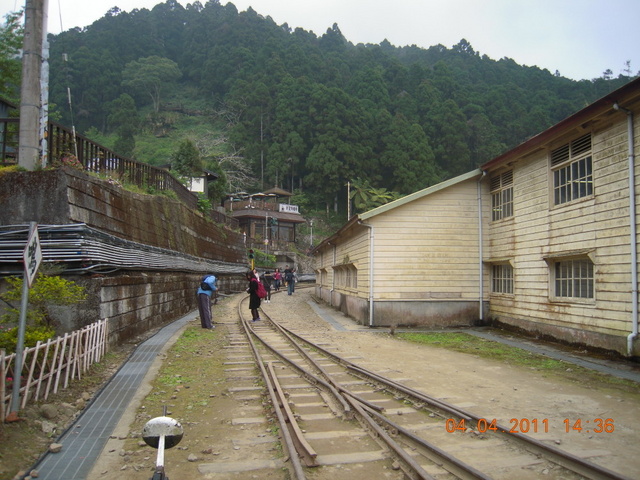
50 366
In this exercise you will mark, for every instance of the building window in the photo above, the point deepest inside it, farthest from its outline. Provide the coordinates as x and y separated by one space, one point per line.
346 276
573 278
502 278
572 171
502 196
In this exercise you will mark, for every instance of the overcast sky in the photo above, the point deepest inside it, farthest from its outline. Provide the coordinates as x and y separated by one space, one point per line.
579 38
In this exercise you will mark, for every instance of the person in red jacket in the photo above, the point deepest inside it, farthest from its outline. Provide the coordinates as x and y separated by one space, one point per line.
254 299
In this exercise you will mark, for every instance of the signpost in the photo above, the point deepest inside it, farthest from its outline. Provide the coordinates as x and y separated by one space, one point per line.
32 257
32 254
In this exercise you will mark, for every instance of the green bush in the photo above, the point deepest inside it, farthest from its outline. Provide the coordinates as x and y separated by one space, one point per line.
32 334
46 291
264 260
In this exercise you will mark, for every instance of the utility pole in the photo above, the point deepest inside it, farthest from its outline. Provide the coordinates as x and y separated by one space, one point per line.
261 155
29 149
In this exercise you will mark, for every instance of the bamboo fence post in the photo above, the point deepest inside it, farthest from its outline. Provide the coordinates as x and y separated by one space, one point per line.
27 384
3 376
7 360
95 343
88 349
53 368
43 369
77 357
60 363
23 385
105 336
69 362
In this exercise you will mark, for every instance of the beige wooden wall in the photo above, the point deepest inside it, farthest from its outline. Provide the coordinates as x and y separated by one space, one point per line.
352 248
426 249
538 229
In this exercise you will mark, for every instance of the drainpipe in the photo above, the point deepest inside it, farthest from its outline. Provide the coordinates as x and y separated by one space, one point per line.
633 225
480 249
370 227
333 276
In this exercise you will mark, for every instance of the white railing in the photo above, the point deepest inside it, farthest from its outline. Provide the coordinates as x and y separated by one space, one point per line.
49 366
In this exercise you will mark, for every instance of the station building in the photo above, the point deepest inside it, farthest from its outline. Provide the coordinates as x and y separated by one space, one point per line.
268 220
542 238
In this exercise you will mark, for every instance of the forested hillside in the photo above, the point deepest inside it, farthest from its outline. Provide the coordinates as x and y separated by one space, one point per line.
304 112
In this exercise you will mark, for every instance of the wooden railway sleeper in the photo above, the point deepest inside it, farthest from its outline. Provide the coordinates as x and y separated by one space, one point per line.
296 466
440 457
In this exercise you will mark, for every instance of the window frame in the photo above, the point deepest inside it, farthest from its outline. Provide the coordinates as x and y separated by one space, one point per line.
573 278
346 276
501 189
502 280
571 168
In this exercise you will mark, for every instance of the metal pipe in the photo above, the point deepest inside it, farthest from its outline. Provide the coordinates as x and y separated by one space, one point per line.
480 251
83 249
633 229
371 244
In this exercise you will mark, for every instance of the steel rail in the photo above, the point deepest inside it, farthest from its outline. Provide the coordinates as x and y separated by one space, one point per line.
409 465
438 456
305 450
327 376
311 377
450 409
288 441
561 457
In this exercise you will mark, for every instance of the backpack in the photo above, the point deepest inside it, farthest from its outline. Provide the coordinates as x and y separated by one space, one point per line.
204 285
261 291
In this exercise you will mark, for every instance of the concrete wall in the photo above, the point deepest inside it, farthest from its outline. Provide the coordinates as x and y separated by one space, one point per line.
133 301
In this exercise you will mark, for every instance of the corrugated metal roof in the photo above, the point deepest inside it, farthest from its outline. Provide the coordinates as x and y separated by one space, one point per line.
258 213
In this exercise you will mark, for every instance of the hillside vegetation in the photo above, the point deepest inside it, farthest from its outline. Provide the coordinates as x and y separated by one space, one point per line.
273 106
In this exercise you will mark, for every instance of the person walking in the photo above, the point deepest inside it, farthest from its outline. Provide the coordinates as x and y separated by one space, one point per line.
289 279
267 281
205 291
277 279
254 299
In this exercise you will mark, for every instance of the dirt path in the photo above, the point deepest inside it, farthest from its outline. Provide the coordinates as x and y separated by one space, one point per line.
515 396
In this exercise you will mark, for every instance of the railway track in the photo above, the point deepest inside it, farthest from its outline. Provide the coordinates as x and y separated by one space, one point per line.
339 420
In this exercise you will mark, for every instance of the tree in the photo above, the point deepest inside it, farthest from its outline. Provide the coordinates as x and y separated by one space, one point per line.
407 161
366 197
125 122
186 160
11 33
151 75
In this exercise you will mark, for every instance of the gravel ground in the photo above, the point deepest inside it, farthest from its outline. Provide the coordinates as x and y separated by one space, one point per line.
489 388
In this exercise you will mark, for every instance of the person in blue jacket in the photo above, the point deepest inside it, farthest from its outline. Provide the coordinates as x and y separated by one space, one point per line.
205 291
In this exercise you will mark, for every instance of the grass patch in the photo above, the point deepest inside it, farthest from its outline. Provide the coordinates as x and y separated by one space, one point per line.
464 343
470 344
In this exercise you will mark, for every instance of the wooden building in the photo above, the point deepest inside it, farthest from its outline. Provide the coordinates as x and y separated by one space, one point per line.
414 261
562 234
558 256
268 219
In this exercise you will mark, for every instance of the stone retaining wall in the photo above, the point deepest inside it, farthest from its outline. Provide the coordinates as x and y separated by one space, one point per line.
133 302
